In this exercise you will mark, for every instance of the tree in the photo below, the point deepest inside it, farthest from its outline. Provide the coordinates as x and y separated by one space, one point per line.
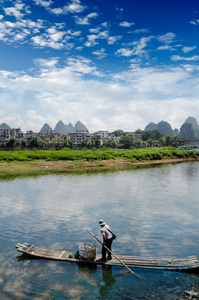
66 142
114 144
23 144
33 143
163 140
58 140
11 143
105 143
54 142
173 141
89 144
97 143
41 143
150 142
118 132
71 143
127 141
153 134
36 142
138 143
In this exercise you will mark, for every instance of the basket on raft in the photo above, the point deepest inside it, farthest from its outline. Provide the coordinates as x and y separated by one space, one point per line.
87 251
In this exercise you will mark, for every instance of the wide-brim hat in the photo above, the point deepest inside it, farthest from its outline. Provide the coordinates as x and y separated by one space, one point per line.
101 222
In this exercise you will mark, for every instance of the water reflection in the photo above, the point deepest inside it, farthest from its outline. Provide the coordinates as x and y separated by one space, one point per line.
108 279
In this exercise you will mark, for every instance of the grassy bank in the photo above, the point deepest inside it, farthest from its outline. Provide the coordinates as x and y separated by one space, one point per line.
66 160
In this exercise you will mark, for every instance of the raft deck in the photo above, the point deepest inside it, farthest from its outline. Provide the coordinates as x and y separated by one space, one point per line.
187 263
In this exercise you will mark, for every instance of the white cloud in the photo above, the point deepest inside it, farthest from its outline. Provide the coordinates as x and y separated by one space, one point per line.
83 66
178 57
141 44
9 31
55 38
188 49
86 20
166 47
43 3
94 30
143 30
54 34
74 6
124 52
113 39
16 10
195 22
137 48
100 53
119 9
93 39
148 94
46 63
126 24
39 41
57 11
105 25
20 36
167 38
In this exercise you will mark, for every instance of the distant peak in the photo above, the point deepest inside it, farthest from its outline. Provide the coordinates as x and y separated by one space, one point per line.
4 126
46 127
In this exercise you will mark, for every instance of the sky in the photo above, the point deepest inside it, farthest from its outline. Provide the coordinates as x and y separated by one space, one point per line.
110 64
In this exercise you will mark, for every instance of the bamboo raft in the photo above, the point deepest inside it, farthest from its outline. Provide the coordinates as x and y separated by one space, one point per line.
187 263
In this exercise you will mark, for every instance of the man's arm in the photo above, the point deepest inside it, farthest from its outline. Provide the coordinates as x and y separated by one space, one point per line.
104 237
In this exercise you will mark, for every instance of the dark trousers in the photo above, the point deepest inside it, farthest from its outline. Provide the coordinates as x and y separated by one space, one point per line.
108 245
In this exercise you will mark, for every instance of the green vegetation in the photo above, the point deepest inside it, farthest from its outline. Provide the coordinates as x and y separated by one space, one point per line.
94 154
127 142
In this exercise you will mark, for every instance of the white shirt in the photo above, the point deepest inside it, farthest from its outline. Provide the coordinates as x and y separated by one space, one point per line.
105 232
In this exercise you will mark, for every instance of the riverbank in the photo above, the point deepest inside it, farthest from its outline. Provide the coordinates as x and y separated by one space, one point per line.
39 167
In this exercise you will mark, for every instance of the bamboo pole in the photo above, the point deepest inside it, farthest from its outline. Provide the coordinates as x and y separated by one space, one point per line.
114 255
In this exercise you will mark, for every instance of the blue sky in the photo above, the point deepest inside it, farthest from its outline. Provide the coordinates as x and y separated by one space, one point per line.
109 64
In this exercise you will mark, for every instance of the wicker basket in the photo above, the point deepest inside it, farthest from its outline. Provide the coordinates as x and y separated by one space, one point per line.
87 251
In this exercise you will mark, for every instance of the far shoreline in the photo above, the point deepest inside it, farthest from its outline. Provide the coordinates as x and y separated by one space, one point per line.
42 167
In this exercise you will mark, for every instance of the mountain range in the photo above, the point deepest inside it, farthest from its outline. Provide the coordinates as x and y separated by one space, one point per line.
189 129
63 128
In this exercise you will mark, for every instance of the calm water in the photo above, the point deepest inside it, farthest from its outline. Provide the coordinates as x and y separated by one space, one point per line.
153 211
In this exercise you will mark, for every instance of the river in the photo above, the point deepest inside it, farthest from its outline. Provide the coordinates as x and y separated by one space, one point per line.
154 212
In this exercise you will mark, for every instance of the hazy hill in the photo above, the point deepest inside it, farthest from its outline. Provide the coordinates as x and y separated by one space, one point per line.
45 127
151 126
4 126
163 127
189 129
195 126
79 126
63 128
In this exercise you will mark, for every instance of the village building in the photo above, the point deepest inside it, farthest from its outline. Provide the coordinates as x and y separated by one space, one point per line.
51 138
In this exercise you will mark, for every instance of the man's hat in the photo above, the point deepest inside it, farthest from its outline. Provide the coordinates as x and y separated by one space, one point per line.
101 222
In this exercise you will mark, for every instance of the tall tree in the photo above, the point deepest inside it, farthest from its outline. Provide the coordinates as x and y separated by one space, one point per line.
127 141
11 143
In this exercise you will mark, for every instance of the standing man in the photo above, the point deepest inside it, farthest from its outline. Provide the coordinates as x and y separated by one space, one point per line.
107 239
